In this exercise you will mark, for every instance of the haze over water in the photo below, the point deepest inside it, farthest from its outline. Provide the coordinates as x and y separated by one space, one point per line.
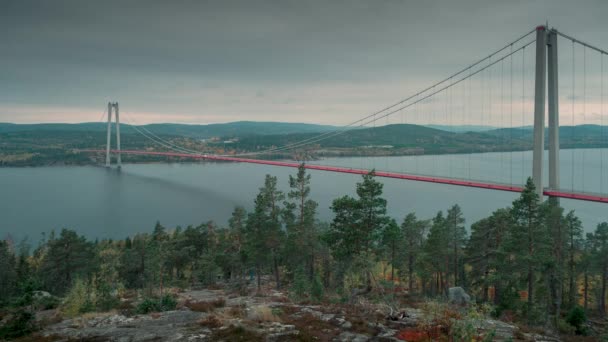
103 203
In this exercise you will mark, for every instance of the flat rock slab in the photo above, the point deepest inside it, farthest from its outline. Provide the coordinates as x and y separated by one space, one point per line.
167 326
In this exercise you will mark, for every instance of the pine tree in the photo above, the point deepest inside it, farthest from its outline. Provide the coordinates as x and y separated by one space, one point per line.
527 237
263 230
574 232
414 233
392 238
555 224
436 256
457 235
599 257
8 274
67 258
300 222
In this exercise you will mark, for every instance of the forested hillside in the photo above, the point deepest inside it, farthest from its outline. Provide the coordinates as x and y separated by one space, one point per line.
529 263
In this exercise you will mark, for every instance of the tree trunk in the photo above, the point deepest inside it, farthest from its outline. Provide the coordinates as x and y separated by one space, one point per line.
257 273
603 294
393 263
586 290
410 271
530 286
571 280
276 271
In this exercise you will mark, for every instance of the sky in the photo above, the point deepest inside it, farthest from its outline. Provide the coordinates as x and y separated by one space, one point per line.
316 61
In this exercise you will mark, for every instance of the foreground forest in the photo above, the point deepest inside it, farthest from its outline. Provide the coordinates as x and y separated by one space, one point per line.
530 263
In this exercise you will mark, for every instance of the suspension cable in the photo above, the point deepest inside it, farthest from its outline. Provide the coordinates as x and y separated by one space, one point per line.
357 122
584 108
511 118
431 94
574 40
573 109
602 122
502 117
523 103
374 117
159 140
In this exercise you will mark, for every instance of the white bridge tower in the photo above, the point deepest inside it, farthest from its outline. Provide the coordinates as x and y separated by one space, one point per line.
109 131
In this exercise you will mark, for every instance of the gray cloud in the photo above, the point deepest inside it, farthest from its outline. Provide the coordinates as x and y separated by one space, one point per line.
204 61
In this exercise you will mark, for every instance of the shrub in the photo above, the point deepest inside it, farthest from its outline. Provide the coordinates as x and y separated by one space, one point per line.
20 323
77 300
300 284
577 318
206 306
210 321
262 313
316 289
47 303
165 303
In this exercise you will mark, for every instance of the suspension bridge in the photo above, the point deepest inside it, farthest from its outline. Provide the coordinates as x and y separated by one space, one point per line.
483 93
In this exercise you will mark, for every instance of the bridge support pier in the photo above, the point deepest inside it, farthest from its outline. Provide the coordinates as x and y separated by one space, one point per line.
539 109
109 134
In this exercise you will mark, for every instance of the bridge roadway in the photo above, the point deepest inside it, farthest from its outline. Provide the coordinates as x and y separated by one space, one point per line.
419 178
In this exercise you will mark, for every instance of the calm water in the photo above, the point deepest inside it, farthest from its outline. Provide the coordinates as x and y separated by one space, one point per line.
106 203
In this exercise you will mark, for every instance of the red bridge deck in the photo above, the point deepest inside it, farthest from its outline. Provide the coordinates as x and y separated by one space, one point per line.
439 180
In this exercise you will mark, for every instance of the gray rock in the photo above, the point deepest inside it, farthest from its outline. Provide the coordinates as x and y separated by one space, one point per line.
168 326
457 295
352 337
40 294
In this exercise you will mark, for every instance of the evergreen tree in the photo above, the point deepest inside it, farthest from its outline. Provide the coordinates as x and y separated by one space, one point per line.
8 272
67 258
392 238
574 232
599 257
527 237
436 254
555 223
457 235
300 222
485 253
263 229
414 234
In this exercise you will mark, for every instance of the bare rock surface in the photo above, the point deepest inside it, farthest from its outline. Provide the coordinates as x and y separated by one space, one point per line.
166 326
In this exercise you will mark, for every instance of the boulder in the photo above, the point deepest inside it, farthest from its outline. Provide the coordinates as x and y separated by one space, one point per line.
457 295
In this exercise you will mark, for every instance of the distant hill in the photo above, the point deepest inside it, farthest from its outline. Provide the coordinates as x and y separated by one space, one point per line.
406 136
232 129
462 128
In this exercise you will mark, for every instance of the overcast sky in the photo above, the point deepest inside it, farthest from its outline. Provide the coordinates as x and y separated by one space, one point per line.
328 62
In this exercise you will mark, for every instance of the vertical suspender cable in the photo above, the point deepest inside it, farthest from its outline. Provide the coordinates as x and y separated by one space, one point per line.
445 121
490 104
470 116
573 108
450 112
523 103
401 158
389 150
584 108
511 118
502 118
602 122
434 159
482 91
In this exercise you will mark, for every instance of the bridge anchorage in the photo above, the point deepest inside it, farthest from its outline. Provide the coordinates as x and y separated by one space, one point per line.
113 106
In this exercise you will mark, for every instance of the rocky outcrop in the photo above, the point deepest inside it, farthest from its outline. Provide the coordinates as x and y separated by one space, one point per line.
167 326
457 295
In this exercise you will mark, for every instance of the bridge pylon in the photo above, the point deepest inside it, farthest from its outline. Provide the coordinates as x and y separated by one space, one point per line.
546 59
113 107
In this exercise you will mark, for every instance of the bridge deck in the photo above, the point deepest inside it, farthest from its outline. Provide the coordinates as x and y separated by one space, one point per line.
419 178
